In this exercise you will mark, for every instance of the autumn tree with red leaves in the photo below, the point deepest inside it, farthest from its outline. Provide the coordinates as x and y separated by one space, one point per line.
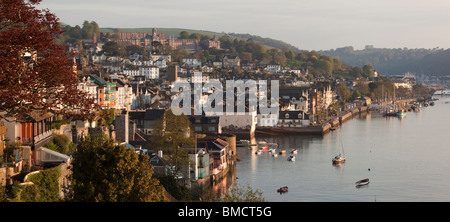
35 73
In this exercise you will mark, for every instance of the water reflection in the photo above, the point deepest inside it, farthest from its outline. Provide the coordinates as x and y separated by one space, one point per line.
405 159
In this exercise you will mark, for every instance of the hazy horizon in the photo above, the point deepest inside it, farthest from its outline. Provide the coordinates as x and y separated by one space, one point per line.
310 25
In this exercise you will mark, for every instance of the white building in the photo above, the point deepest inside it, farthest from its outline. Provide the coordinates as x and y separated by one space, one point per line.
124 95
132 72
273 68
198 77
160 60
89 87
269 120
237 120
193 62
150 72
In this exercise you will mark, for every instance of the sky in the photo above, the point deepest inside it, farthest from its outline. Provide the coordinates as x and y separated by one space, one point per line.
306 24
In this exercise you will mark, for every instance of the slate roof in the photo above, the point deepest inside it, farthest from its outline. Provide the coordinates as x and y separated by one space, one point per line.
212 144
149 114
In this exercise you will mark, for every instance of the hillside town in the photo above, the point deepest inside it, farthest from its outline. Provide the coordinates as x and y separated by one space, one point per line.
134 94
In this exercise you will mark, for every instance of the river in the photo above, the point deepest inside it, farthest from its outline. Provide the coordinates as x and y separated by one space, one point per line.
406 159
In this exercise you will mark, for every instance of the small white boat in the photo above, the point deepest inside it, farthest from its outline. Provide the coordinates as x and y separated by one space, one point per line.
291 158
294 151
258 152
275 155
338 159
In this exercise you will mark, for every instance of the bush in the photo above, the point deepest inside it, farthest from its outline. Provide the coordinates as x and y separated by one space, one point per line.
47 184
58 123
3 197
26 193
61 143
178 192
52 146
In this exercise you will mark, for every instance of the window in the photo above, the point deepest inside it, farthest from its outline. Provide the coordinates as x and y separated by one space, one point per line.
211 128
197 128
286 116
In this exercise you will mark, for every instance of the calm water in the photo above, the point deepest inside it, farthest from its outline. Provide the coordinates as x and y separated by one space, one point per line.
408 158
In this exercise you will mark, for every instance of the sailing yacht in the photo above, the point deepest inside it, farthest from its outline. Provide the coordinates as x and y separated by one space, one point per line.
339 158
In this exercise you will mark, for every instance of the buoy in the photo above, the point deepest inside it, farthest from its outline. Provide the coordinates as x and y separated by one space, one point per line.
369 169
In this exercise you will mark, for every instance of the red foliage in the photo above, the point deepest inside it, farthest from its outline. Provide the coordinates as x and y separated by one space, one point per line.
35 73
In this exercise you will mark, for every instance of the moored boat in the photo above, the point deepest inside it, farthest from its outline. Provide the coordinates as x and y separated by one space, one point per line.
294 151
263 145
291 158
362 182
283 189
338 159
283 152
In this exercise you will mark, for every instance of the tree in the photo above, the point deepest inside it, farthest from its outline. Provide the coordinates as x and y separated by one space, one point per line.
344 92
184 35
35 73
239 193
111 48
367 71
356 94
104 172
171 133
61 143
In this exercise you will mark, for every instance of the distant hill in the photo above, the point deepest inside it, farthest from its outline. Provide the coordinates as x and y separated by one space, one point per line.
175 32
396 61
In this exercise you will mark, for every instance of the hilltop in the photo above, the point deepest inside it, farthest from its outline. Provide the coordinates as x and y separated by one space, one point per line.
175 32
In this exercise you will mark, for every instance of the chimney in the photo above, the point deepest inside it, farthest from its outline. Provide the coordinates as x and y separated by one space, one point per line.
160 153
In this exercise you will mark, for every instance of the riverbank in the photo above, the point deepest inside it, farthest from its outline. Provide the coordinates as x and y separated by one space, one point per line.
392 160
327 125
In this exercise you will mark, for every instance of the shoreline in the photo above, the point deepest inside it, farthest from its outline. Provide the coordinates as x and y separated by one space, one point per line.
328 125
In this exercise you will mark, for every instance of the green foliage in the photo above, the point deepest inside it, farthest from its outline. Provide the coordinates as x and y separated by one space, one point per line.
26 193
367 71
52 146
3 196
45 187
58 123
240 193
104 172
112 48
77 33
171 133
47 184
61 143
180 193
107 116
184 35
396 60
344 92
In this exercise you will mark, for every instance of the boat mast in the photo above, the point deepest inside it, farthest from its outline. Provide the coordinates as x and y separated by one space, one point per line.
342 147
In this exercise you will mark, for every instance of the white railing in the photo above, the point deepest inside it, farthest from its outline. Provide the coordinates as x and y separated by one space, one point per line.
42 136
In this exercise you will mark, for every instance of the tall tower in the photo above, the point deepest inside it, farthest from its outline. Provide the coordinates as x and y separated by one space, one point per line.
172 72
